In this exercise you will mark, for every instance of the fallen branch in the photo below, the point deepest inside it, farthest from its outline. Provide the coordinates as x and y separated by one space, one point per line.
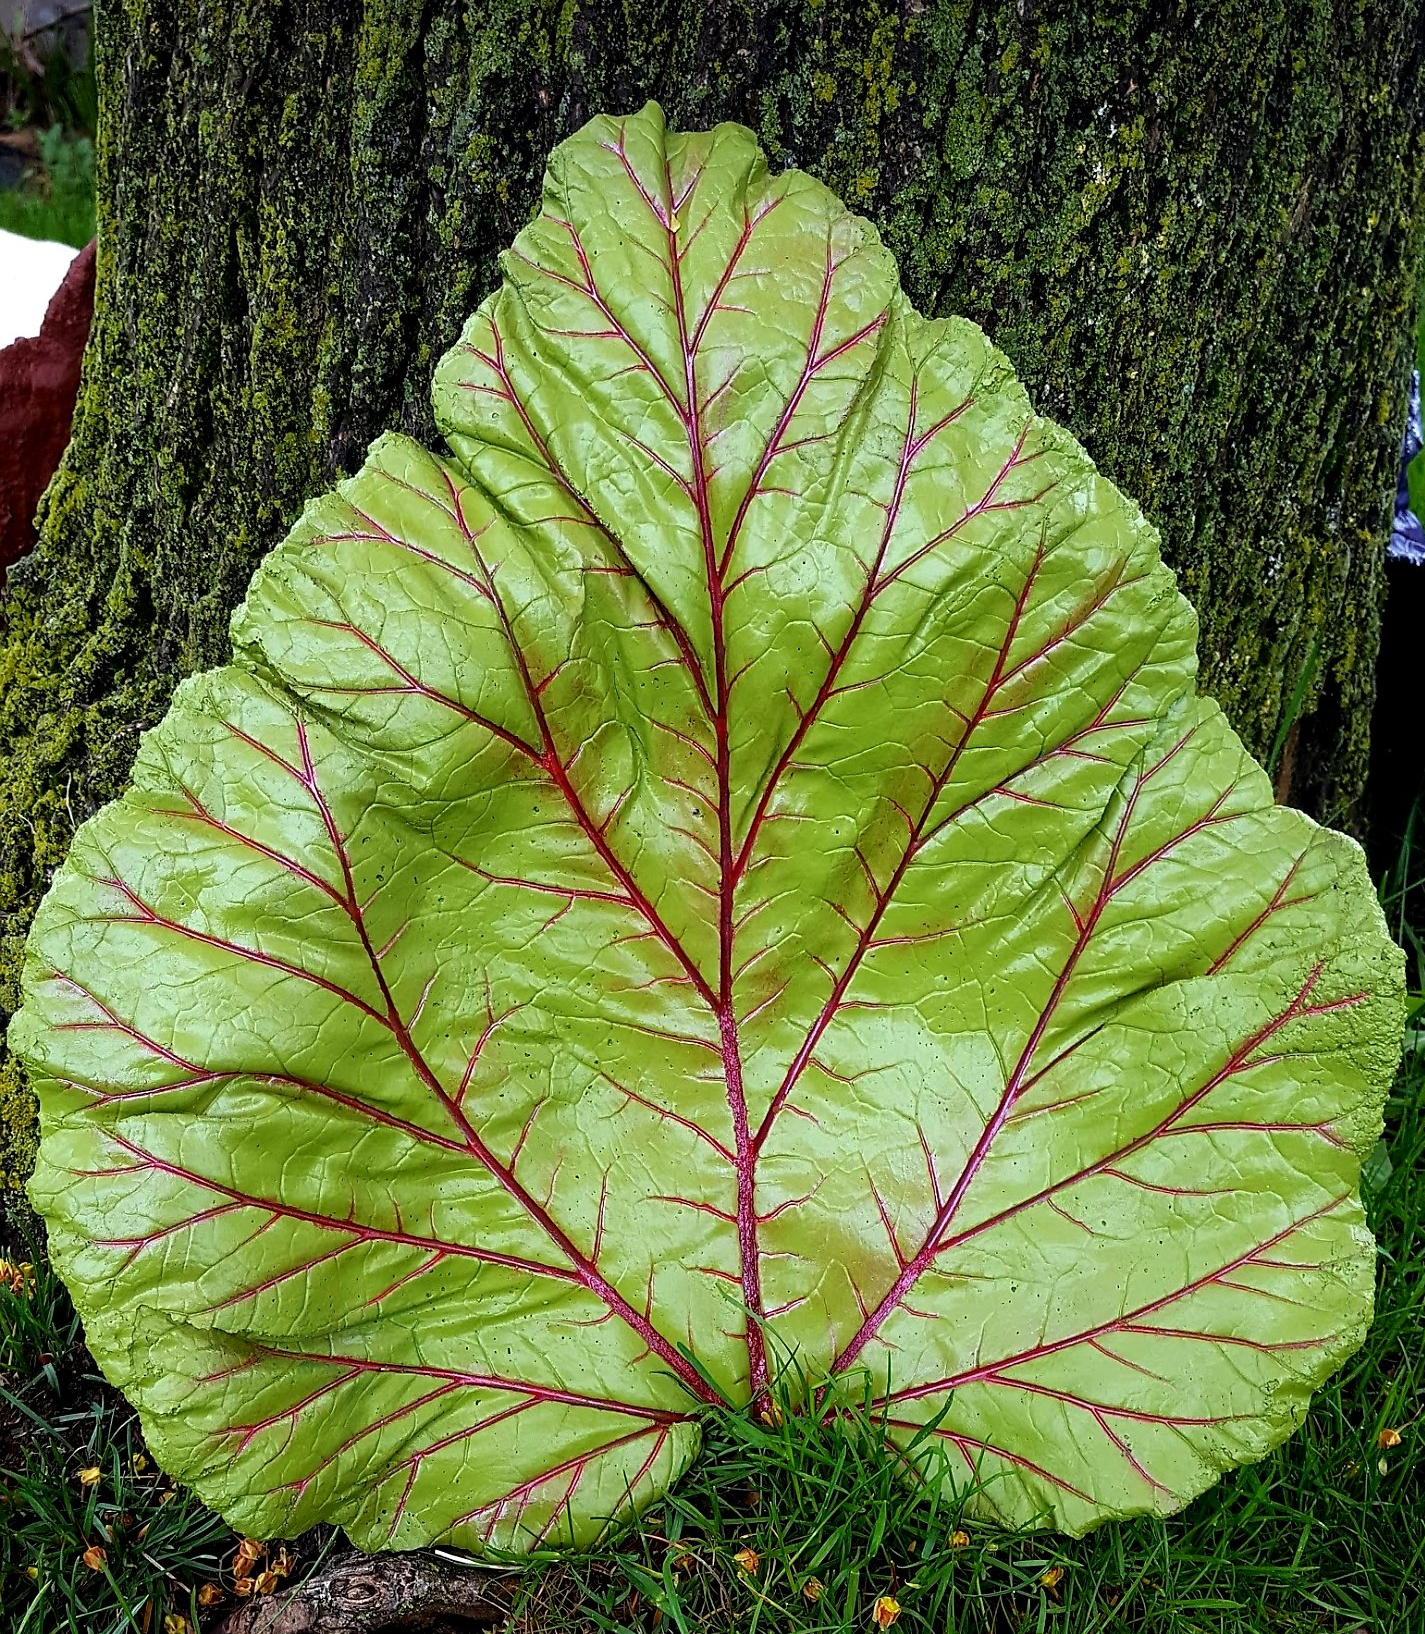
370 1594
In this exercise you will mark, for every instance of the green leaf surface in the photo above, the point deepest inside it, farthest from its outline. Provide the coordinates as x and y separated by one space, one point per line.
726 861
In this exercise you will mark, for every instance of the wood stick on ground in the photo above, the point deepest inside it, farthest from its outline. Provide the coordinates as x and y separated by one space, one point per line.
370 1594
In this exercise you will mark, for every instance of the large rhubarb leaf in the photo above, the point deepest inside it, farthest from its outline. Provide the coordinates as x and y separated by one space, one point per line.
726 862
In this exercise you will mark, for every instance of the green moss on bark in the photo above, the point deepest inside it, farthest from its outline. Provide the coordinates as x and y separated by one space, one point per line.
1194 229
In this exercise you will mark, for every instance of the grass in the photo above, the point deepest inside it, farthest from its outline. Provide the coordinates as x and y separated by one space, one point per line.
1402 896
45 81
97 1539
93 1538
56 200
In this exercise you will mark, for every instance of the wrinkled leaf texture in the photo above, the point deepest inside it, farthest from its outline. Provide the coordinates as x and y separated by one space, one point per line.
728 861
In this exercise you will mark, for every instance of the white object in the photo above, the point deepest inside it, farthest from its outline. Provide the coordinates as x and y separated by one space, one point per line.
31 269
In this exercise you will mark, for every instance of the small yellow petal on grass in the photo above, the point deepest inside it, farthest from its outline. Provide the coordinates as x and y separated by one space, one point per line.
811 1589
959 1540
1388 1438
1053 1577
94 1557
885 1611
175 1623
138 1463
249 1552
209 1595
91 1476
749 1561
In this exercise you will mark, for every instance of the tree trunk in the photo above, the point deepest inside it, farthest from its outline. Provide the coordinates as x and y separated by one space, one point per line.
1194 229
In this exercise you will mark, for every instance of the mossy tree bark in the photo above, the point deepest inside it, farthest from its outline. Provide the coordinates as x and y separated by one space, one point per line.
1194 229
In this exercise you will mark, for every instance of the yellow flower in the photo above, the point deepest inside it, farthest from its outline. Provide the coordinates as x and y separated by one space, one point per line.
138 1463
209 1595
885 1611
175 1623
811 1589
1388 1438
959 1540
91 1476
94 1557
249 1552
1053 1577
749 1560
